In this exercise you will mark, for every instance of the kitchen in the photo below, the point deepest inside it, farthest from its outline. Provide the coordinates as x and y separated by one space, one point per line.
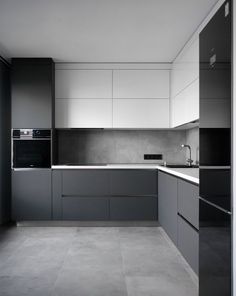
117 161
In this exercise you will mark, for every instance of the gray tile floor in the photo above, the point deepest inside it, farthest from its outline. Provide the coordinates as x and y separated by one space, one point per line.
92 261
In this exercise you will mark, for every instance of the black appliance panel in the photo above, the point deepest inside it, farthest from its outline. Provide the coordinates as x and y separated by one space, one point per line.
215 251
32 154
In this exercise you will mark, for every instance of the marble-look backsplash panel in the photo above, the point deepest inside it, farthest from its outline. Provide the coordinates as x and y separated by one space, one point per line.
119 146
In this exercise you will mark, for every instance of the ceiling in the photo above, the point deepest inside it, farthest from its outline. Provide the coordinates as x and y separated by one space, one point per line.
99 30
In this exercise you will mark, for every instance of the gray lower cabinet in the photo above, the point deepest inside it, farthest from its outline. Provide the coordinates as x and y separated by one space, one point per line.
133 208
167 204
85 208
178 210
188 241
188 202
104 194
31 195
133 182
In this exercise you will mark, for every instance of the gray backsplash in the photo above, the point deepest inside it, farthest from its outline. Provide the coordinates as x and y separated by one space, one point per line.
122 146
192 138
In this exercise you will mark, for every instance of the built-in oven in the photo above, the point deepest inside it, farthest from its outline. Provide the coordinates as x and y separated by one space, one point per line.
31 148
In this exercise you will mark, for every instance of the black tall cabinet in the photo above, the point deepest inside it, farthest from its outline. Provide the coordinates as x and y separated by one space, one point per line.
32 93
215 156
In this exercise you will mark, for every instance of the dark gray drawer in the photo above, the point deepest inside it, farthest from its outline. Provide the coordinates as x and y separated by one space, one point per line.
188 202
85 208
85 182
133 208
133 182
167 204
188 243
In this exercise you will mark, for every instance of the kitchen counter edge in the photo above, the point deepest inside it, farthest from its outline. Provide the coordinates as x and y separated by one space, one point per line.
183 173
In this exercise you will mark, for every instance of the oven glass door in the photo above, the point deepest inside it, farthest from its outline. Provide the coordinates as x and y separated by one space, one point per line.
31 153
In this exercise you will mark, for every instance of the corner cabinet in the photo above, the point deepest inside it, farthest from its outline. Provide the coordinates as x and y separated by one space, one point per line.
178 211
32 93
184 102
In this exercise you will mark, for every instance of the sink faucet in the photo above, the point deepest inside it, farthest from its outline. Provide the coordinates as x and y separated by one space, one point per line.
189 160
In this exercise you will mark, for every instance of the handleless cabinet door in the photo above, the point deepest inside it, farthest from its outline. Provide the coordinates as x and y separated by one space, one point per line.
140 113
83 113
167 204
31 195
83 84
141 84
32 93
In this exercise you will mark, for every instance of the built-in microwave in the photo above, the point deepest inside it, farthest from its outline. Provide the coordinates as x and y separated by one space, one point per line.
31 148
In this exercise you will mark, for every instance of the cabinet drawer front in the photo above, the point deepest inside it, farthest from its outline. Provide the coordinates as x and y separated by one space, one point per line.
167 204
134 182
85 208
133 208
188 202
188 243
85 182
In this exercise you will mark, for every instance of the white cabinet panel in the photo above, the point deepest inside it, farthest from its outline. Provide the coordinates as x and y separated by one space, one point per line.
140 113
141 84
83 113
83 84
185 68
185 106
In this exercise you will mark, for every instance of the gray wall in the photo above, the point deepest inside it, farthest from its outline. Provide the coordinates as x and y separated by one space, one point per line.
192 138
121 146
5 143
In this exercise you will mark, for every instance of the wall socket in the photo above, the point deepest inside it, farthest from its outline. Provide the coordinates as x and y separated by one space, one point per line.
153 156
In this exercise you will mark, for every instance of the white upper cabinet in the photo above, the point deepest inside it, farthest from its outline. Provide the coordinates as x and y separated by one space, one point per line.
83 113
184 103
140 113
185 68
141 84
112 98
83 84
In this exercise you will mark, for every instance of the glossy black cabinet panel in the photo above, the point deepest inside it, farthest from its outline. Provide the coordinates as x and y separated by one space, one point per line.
215 155
215 251
32 93
216 187
215 108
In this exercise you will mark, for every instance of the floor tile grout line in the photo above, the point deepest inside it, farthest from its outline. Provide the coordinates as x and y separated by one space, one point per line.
60 269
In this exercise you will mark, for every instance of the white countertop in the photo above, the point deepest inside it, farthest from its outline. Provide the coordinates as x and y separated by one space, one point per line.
189 174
